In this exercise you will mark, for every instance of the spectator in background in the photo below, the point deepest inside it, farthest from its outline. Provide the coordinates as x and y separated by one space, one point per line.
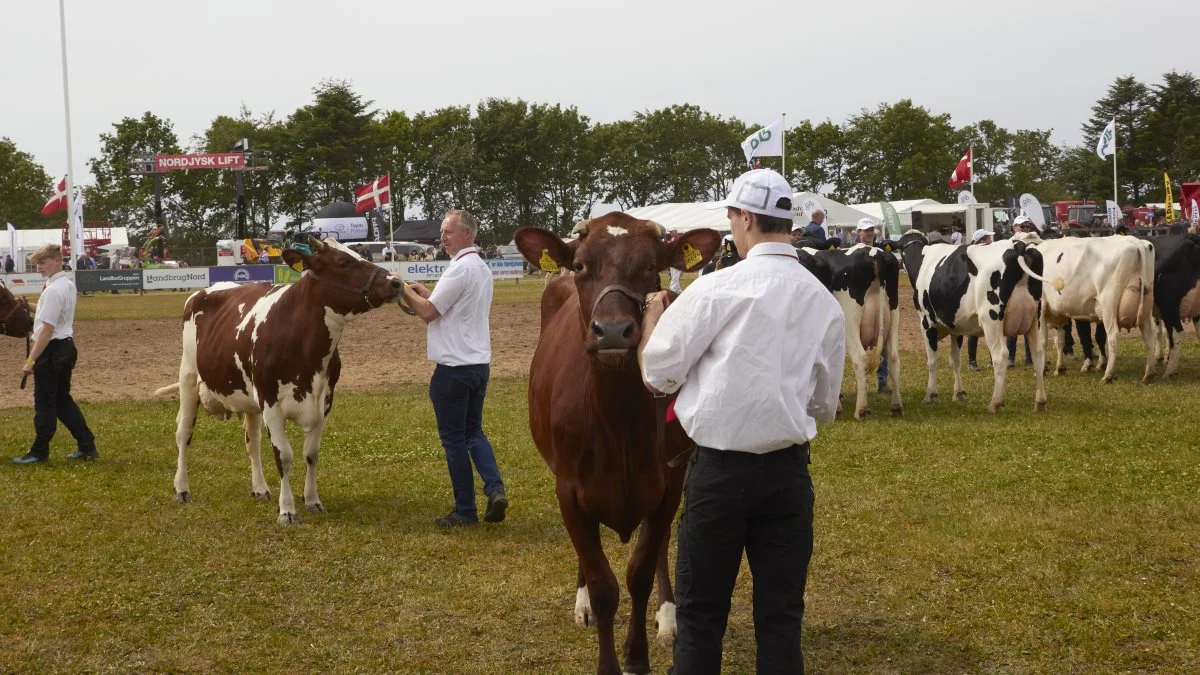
389 254
9 265
816 227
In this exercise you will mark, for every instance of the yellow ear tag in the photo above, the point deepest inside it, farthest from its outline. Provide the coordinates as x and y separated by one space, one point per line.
298 265
691 257
547 263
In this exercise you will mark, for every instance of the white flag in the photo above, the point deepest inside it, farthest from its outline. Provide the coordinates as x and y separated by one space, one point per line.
77 228
1031 207
1107 145
1114 212
12 249
1195 213
766 142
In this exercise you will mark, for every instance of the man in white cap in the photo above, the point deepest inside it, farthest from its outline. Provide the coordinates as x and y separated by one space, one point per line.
751 401
1024 223
982 237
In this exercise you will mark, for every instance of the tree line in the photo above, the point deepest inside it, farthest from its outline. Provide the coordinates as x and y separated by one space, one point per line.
517 163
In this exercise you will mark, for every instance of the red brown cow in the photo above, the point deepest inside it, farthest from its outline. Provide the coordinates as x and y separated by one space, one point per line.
15 317
270 353
594 421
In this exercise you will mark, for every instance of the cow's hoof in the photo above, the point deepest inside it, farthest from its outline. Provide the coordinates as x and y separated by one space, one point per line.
994 408
288 519
261 496
183 497
583 607
897 410
1061 370
931 398
1040 406
862 414
1147 378
315 507
1086 368
960 396
665 620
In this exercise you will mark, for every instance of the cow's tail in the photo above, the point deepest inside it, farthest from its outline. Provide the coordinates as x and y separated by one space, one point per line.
1057 283
169 389
1146 253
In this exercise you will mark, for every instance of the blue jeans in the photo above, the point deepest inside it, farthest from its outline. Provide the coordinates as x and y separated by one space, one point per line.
457 394
882 373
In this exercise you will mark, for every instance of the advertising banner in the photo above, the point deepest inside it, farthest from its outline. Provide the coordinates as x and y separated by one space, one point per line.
433 270
183 277
219 160
342 229
242 274
286 275
27 283
108 280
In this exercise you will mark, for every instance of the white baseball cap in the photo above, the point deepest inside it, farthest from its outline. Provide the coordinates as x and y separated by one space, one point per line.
797 227
866 224
980 234
1026 220
759 191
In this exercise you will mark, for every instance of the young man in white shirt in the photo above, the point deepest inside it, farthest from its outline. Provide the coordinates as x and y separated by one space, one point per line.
51 360
755 352
459 341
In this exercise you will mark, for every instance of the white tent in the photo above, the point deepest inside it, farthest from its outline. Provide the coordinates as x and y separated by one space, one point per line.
690 216
29 241
904 209
839 218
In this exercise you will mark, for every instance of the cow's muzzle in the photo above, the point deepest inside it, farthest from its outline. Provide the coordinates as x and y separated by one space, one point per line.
616 336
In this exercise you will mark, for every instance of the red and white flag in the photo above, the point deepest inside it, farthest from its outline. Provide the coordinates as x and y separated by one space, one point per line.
962 172
58 200
373 195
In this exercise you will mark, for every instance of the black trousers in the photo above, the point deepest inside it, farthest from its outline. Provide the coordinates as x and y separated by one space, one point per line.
52 399
759 503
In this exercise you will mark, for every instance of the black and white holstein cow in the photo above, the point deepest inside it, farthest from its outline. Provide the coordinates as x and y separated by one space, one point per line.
985 291
866 282
271 353
1100 279
1176 289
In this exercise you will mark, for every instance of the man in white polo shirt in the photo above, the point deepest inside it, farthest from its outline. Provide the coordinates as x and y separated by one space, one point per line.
756 352
51 360
459 341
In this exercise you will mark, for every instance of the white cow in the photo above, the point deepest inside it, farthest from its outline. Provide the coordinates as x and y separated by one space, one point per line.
1103 279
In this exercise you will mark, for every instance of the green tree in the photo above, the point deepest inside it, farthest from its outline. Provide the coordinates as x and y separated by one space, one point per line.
122 197
991 148
816 157
898 151
1172 126
1129 102
396 129
571 176
24 189
443 160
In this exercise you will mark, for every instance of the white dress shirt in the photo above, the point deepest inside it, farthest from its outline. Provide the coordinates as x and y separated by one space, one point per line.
756 352
56 306
461 336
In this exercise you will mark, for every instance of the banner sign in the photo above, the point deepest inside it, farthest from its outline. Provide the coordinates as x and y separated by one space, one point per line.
892 227
219 160
1114 213
242 274
286 275
342 229
108 280
27 283
433 270
183 277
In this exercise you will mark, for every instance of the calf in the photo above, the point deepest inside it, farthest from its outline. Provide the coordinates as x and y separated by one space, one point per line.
270 353
595 423
865 281
976 290
1102 279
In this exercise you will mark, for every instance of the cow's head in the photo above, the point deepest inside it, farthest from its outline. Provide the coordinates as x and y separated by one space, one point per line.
15 317
616 261
350 284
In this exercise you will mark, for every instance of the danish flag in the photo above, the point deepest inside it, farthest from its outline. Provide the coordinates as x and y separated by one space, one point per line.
58 200
373 195
962 172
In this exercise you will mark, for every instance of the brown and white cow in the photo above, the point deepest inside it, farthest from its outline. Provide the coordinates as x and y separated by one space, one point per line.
16 318
595 423
270 353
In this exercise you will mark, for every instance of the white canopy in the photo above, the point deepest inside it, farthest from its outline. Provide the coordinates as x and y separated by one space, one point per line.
904 209
685 217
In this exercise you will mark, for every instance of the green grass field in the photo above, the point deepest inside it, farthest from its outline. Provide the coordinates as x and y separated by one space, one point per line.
947 540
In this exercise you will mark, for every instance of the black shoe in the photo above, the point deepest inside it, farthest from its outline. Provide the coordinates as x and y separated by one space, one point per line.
84 454
455 519
971 365
29 458
497 504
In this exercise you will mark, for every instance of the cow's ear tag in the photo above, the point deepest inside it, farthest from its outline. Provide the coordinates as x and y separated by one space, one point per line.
547 263
691 256
887 247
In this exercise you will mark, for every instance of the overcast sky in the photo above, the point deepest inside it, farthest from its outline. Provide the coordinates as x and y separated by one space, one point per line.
1023 64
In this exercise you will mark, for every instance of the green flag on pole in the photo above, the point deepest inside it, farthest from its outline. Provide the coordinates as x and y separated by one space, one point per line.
891 221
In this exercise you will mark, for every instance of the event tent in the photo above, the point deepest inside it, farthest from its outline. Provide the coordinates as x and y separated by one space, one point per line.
690 216
904 209
29 241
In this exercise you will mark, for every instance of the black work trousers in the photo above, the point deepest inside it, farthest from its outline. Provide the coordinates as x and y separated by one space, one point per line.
759 503
52 399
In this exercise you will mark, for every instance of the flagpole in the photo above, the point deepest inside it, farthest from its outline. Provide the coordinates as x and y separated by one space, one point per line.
62 29
783 145
1115 201
971 168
